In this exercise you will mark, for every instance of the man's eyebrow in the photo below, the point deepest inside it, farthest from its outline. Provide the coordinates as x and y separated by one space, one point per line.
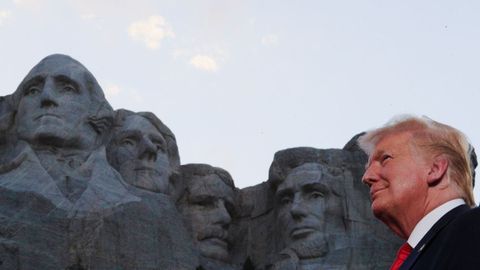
315 186
66 79
129 133
373 157
200 197
284 191
36 79
158 138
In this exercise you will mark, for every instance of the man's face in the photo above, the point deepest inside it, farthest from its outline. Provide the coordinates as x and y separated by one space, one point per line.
140 154
208 210
396 174
301 203
54 106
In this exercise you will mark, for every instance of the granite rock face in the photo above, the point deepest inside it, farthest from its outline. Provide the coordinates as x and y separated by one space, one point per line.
85 187
314 213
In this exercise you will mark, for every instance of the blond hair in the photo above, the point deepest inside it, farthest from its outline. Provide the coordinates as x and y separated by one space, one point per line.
432 138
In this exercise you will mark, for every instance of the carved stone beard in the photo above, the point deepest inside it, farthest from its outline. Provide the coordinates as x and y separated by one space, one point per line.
212 264
311 248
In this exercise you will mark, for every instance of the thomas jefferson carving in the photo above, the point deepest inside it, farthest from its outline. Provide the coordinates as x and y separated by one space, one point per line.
143 150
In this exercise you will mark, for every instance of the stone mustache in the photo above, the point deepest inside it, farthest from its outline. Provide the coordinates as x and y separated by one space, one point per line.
85 187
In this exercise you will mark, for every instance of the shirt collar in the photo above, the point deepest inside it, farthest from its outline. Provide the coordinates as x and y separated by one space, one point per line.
427 222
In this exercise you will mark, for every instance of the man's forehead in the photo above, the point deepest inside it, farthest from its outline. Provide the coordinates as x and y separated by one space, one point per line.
56 66
391 141
302 176
74 74
137 122
210 185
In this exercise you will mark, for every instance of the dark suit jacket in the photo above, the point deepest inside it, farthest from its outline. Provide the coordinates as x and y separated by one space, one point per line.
452 243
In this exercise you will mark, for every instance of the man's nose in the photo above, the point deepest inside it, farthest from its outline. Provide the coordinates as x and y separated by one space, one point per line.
370 175
48 95
298 209
148 150
222 216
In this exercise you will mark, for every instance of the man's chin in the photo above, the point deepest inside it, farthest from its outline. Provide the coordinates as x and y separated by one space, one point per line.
51 135
313 246
150 181
378 209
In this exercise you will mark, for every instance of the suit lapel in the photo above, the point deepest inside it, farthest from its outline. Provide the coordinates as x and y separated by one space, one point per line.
437 227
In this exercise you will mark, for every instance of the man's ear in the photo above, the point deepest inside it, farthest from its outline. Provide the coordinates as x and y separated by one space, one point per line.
438 170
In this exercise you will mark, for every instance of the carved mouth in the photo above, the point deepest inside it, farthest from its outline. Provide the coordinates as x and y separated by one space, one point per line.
47 115
217 242
146 169
213 233
301 232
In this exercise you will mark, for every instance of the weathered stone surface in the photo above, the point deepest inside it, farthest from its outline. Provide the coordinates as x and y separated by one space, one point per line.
143 150
207 201
350 237
86 187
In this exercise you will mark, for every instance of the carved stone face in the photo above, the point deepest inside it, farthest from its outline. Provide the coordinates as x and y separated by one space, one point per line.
54 106
208 209
140 154
301 207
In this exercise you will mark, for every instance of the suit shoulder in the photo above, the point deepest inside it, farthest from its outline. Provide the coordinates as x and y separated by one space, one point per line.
468 220
463 241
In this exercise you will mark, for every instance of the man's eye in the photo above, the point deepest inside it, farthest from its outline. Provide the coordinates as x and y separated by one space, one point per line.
128 141
160 146
32 90
69 88
205 203
385 158
286 200
316 195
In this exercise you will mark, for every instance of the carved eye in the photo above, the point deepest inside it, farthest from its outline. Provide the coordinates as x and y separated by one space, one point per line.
205 203
32 90
316 195
284 200
159 146
127 142
69 88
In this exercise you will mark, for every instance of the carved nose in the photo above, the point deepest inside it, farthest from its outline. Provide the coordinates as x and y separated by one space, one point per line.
46 103
298 209
222 216
148 150
48 95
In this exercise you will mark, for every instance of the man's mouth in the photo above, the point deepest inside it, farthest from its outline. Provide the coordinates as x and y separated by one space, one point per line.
144 168
215 236
374 192
47 115
301 232
147 169
217 242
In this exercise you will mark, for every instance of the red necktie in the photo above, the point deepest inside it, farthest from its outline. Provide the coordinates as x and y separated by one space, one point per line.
402 255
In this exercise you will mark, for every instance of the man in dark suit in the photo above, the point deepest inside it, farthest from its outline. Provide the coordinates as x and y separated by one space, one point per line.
420 177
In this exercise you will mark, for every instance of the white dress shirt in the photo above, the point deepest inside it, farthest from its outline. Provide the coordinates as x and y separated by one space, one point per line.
427 222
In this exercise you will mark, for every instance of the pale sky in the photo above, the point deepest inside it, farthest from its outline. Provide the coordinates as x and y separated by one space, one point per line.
238 80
